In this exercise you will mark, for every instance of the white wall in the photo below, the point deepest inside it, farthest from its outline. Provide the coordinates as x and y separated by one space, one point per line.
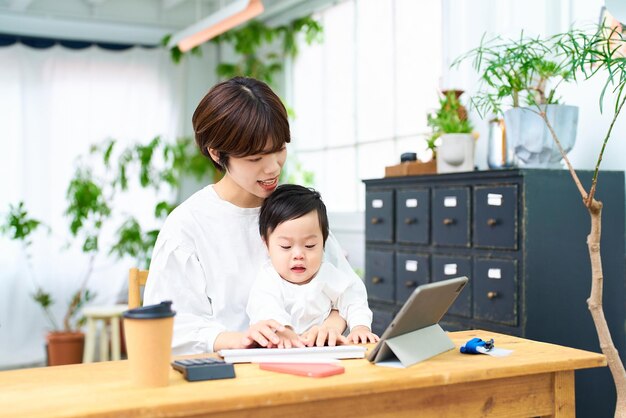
349 230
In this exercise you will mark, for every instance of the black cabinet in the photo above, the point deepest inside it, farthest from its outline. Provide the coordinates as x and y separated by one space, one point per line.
520 237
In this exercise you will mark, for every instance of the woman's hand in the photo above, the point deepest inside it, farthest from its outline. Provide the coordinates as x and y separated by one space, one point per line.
362 334
319 335
288 339
263 333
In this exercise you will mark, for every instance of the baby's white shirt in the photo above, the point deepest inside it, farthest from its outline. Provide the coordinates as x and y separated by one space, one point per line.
303 306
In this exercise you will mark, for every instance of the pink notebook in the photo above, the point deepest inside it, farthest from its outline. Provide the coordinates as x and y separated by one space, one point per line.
304 369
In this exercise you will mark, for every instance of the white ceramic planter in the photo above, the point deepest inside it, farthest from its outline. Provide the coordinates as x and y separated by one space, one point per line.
456 153
531 139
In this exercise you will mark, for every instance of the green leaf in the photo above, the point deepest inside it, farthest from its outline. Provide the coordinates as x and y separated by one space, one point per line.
18 225
43 298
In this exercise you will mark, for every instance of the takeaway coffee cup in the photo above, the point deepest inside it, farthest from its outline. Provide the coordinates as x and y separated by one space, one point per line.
148 331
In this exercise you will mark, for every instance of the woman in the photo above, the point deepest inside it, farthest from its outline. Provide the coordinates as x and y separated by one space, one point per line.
209 249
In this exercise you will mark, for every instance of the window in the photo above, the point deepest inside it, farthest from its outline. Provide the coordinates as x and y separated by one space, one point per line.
362 96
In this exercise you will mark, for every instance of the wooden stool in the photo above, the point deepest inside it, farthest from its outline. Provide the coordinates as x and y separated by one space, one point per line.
106 314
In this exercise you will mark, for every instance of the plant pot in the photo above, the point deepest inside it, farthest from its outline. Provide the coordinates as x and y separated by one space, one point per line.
455 153
531 139
65 348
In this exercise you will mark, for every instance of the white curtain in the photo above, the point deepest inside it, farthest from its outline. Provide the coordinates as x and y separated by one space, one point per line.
54 104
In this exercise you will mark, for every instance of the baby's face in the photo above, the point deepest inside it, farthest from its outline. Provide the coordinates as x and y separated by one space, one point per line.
296 248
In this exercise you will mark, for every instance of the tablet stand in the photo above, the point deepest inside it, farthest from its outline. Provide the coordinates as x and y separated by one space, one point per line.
415 346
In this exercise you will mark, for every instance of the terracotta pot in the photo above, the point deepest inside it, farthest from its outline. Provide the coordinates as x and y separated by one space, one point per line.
65 348
461 111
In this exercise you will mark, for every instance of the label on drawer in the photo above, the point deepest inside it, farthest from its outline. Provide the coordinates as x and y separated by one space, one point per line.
411 203
410 265
377 203
449 201
449 269
494 273
494 199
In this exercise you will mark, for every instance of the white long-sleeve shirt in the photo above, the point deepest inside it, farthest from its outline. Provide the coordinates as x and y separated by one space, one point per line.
303 306
205 260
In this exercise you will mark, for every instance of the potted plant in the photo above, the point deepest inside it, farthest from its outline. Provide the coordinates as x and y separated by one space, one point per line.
599 53
519 79
90 199
584 55
64 344
452 130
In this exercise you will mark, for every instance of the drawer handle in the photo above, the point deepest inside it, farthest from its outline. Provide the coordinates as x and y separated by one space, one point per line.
377 221
377 280
410 283
492 295
410 221
449 221
492 222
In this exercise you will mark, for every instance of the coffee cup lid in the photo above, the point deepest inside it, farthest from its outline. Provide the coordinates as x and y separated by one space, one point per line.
161 310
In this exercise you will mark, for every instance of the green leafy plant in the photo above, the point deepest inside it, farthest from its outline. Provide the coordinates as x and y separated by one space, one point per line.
155 163
520 72
90 203
577 55
20 226
451 117
253 44
249 43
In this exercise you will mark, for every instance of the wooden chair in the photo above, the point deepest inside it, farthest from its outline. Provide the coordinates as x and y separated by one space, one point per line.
136 279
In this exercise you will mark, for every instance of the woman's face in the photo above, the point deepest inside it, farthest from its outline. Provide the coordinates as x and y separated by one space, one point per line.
251 179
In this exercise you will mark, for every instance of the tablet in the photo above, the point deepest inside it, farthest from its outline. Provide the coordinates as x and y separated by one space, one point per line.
425 307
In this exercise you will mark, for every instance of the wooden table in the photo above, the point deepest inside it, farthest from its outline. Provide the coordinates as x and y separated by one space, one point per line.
537 379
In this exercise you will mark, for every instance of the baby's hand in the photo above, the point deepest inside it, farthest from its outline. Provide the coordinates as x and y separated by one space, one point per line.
288 339
319 335
362 334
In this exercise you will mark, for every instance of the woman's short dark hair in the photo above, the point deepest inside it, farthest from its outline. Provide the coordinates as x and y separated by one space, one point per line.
237 118
290 201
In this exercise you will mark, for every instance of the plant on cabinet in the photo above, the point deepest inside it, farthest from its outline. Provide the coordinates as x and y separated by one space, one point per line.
451 134
519 79
589 55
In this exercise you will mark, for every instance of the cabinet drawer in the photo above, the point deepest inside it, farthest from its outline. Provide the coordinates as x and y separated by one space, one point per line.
450 215
495 290
412 270
413 216
379 280
379 216
495 217
448 267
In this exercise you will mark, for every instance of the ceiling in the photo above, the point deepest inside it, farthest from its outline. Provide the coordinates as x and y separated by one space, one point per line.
125 21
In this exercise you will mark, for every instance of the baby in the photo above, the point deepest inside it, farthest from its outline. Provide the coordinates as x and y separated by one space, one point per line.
296 287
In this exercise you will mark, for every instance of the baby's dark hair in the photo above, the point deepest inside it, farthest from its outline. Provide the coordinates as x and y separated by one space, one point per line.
290 201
